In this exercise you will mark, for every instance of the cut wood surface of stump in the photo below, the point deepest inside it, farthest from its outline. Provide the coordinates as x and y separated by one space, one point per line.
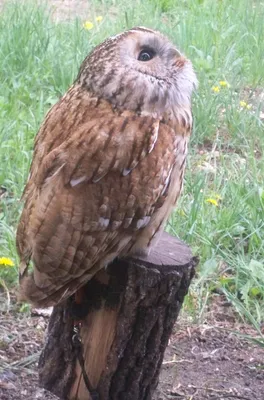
127 318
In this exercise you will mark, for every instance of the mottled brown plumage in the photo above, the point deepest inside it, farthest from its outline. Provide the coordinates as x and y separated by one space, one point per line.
108 164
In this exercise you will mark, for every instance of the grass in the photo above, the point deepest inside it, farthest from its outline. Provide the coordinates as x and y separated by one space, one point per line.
221 213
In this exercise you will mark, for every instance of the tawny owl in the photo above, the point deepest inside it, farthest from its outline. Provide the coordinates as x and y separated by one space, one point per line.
108 164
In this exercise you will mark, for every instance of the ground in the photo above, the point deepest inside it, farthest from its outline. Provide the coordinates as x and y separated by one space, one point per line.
208 362
205 361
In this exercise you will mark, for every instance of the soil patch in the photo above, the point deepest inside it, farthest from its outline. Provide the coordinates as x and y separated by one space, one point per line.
201 362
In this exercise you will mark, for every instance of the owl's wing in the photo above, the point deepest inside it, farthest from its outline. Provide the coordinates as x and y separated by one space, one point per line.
87 200
100 147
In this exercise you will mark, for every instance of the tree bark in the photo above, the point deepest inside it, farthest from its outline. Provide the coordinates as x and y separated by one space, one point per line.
127 318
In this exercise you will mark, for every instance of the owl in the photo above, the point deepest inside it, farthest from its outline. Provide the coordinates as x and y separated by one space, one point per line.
108 164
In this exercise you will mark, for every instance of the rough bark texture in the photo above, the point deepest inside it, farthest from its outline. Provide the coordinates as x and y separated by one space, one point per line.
130 310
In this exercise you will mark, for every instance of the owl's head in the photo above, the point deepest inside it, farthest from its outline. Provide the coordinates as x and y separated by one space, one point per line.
139 70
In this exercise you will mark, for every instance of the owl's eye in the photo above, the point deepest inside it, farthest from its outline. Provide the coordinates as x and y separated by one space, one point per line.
146 54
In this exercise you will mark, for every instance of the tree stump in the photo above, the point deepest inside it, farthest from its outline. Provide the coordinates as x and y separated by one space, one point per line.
130 309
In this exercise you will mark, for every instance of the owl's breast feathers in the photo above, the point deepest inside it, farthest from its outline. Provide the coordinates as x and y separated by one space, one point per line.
102 184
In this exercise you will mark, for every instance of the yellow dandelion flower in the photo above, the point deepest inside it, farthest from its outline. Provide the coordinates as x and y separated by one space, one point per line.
6 262
216 89
88 25
224 84
99 18
181 212
243 104
214 202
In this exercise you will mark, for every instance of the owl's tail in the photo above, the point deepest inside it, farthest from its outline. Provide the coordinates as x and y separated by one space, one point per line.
48 296
31 293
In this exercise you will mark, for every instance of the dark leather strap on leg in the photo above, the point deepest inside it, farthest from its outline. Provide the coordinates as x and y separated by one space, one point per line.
77 344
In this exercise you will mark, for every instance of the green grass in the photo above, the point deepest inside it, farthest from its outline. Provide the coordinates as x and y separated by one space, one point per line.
38 61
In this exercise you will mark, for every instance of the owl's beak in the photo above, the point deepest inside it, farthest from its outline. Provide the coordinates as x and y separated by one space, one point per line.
180 62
